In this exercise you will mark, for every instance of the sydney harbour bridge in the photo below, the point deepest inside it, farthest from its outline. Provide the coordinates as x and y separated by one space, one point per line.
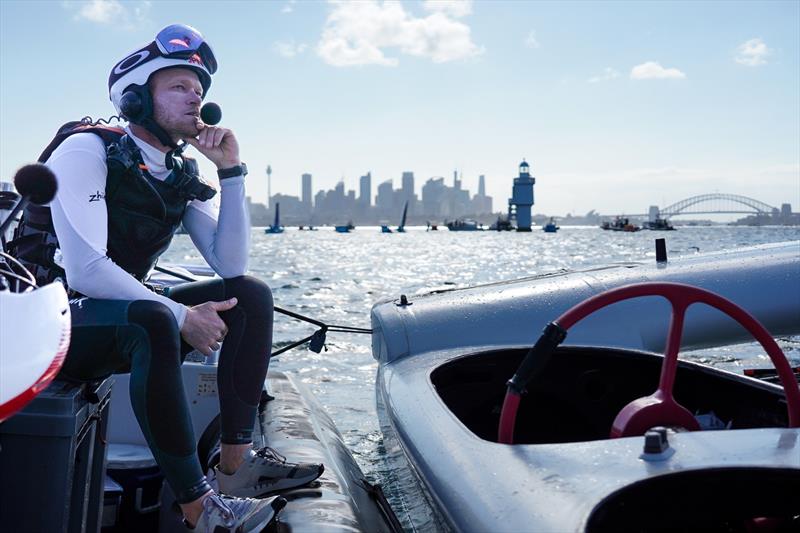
714 203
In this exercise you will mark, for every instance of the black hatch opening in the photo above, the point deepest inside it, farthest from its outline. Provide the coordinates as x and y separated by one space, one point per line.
577 397
710 500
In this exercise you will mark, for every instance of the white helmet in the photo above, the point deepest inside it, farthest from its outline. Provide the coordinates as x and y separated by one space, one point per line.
177 45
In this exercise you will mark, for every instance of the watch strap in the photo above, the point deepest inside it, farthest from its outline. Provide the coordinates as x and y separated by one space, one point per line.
230 172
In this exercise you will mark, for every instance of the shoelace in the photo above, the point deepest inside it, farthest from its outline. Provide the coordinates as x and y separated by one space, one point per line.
214 505
269 453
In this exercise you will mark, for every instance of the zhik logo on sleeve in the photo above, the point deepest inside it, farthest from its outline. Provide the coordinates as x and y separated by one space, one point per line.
97 196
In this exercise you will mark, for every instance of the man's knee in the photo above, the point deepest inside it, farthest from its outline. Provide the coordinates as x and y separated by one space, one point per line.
252 293
154 317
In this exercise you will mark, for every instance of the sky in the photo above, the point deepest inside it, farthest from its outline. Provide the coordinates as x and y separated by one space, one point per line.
615 105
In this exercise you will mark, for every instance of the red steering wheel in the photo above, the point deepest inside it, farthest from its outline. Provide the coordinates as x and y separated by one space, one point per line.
660 408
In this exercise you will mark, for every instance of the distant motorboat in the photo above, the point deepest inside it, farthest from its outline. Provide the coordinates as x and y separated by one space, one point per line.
502 224
276 225
620 224
464 224
386 229
432 226
307 228
550 227
659 224
347 228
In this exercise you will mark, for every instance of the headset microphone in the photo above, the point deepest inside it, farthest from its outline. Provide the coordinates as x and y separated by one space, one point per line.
211 113
35 183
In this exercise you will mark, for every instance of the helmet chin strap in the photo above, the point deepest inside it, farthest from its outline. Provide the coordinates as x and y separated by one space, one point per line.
152 126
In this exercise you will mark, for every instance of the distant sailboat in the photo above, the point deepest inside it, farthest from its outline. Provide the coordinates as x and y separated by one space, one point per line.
402 227
276 226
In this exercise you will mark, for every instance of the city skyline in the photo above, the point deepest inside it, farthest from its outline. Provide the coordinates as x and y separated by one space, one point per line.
439 202
436 201
616 105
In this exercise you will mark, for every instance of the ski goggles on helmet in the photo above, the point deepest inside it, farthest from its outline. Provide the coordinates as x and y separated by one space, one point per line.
184 42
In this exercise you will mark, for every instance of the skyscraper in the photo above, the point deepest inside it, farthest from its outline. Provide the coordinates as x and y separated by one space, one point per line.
307 190
384 200
365 190
408 185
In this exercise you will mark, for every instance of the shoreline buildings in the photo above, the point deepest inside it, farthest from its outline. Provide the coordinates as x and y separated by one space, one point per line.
438 202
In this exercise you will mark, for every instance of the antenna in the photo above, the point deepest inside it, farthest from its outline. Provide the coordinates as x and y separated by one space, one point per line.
269 185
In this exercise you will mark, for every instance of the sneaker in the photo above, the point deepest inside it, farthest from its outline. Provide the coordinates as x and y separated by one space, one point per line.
266 471
223 514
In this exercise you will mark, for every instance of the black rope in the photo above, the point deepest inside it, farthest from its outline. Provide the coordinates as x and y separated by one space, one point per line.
317 338
90 121
292 345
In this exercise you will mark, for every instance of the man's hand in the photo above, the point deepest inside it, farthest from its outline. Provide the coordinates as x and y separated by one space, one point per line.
219 145
203 328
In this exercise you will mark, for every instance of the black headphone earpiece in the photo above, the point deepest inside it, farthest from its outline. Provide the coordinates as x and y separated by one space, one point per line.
136 104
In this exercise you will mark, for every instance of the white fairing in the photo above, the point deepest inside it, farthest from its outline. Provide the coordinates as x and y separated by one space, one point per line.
764 280
34 331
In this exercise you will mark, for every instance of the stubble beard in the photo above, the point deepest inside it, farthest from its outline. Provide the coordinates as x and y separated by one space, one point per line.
178 127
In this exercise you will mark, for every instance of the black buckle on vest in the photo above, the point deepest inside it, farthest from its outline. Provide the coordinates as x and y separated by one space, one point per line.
120 156
185 178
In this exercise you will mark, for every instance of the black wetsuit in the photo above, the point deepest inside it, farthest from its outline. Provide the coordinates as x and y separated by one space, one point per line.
116 211
142 337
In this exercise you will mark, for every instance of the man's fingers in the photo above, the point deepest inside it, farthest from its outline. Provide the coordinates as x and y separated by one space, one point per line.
219 134
224 305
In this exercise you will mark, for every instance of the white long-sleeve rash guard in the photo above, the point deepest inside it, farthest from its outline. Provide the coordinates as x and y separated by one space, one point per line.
219 228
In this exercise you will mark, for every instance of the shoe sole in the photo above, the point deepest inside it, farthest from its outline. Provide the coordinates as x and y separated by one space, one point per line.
282 484
264 516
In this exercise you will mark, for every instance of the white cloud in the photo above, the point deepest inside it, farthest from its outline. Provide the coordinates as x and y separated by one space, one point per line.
357 33
607 75
652 70
289 49
531 41
752 53
288 7
455 8
102 11
123 15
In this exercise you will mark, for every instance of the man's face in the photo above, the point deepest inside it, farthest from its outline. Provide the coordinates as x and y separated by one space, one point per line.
177 95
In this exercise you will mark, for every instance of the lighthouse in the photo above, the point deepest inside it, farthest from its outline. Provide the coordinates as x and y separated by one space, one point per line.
519 205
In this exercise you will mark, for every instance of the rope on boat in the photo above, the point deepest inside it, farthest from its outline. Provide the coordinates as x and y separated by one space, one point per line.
316 341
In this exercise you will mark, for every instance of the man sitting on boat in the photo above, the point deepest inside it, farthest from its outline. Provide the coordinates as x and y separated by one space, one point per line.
122 194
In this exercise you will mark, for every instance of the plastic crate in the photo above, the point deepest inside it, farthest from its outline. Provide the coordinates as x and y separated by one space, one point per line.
52 459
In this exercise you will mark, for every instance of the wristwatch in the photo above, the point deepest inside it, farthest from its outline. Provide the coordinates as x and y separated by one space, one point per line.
238 170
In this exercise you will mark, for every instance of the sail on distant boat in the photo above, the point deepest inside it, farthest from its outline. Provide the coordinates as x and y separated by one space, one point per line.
276 225
402 227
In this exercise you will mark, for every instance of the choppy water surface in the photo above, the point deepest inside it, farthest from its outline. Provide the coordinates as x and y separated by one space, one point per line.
336 278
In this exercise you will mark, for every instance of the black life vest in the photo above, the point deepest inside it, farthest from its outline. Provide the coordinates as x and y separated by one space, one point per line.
143 212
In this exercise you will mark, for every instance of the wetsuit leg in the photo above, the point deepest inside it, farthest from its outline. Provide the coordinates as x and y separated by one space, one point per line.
142 337
244 358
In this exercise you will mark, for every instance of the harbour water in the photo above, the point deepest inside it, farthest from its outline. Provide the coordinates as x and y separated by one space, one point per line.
336 278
